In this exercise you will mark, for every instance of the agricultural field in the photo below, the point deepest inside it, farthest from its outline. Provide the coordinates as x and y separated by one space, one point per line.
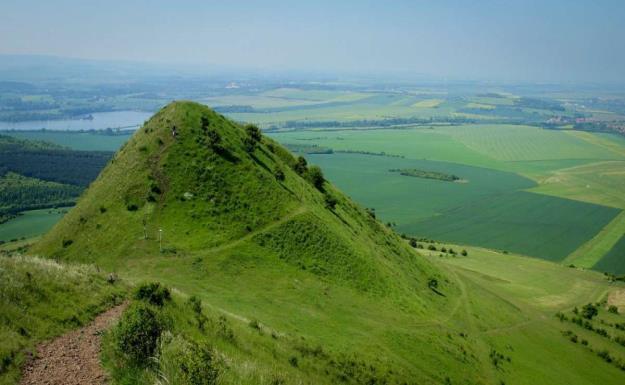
490 209
30 224
555 195
614 259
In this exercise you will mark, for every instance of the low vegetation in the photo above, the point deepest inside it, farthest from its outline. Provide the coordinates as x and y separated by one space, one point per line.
41 299
426 174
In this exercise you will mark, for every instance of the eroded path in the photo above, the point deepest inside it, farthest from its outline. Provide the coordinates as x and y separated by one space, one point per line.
73 358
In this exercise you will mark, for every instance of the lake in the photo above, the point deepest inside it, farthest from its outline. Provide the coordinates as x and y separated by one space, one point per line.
101 120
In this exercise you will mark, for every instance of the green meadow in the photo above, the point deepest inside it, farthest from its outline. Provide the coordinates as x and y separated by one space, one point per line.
30 223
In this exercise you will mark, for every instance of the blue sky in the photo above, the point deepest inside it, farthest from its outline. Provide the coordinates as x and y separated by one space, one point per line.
557 40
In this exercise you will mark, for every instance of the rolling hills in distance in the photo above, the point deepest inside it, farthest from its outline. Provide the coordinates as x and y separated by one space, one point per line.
289 281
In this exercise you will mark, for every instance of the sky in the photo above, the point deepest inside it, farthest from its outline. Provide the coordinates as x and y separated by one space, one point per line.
514 40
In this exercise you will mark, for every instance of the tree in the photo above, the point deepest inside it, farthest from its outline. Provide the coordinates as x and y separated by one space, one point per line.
316 177
253 132
464 253
279 174
301 166
589 311
413 242
330 201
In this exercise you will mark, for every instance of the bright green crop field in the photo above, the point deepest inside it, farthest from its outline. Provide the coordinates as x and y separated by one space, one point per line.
543 193
489 209
30 223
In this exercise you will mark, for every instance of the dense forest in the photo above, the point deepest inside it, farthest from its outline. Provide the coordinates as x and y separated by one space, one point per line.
19 193
35 174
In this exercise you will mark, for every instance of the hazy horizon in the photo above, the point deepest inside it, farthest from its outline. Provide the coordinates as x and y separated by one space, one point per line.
553 41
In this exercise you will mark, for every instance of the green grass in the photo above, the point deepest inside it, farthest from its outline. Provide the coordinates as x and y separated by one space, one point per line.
591 253
614 260
252 247
529 224
512 143
535 290
489 210
30 224
578 166
41 299
600 182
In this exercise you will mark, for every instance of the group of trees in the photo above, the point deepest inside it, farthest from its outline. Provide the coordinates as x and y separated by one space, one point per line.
39 175
77 168
19 193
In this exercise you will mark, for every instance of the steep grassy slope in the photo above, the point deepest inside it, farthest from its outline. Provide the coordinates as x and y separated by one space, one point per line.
299 284
258 245
40 299
202 199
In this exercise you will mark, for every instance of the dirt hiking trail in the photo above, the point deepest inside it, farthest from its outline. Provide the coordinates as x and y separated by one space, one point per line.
74 357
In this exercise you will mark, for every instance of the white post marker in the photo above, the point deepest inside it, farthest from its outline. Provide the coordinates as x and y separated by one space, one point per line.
160 240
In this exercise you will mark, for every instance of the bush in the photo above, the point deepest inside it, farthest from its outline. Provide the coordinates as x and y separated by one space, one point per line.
184 362
413 243
137 333
196 304
432 248
315 175
613 309
589 311
301 166
279 174
464 253
153 293
249 144
253 132
132 207
330 201
214 139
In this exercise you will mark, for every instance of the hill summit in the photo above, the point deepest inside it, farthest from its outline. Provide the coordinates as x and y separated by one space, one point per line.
191 182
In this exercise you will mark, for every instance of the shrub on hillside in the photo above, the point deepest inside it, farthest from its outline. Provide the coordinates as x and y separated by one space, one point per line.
214 140
253 132
184 362
137 333
278 174
330 201
153 293
249 144
315 175
589 311
301 166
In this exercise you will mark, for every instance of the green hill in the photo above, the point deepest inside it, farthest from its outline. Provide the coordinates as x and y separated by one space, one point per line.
301 285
